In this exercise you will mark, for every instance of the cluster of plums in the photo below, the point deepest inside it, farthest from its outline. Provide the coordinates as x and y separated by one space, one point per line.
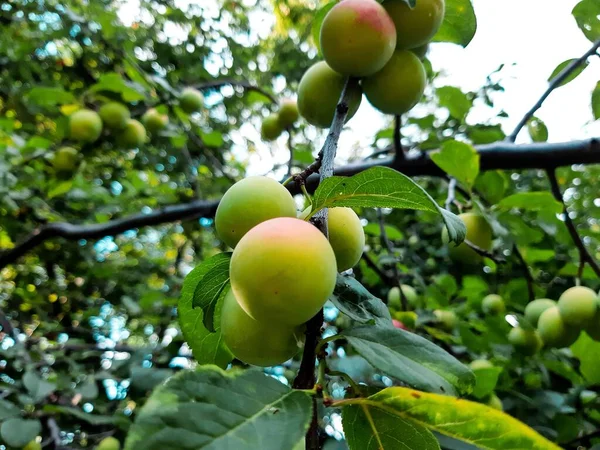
283 269
380 44
274 124
86 126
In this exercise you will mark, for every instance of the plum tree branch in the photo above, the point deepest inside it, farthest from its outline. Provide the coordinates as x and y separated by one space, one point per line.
232 82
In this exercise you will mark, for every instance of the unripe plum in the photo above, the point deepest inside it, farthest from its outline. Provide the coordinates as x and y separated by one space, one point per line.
154 121
418 25
447 320
480 364
394 300
262 344
346 236
288 113
527 342
534 309
397 87
495 402
578 306
554 331
270 128
65 159
114 115
109 443
479 232
191 100
319 92
133 135
283 270
249 202
85 125
352 56
33 445
493 305
421 52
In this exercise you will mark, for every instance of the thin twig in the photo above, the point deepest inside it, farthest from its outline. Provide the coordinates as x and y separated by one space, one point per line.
387 244
54 432
400 156
290 145
527 272
451 193
483 252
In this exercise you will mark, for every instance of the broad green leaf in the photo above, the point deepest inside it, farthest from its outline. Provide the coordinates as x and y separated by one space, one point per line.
382 187
147 378
485 134
587 15
459 160
371 428
113 82
60 189
8 410
88 389
410 358
213 409
531 201
318 21
474 423
212 277
37 387
354 300
537 130
455 100
491 184
563 369
485 381
459 25
596 101
213 139
574 74
19 432
47 97
535 255
207 347
393 233
587 351
92 419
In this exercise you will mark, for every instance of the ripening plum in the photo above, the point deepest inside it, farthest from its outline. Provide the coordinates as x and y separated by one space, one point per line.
249 202
534 309
114 115
65 159
133 135
479 232
342 50
288 113
525 341
346 236
394 300
493 305
408 318
85 125
262 344
400 325
109 443
397 87
154 121
447 320
418 25
480 364
283 271
319 92
494 402
33 445
270 128
191 100
554 331
578 306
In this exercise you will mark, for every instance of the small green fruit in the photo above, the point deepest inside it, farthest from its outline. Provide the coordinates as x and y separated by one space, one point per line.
415 25
33 445
533 380
534 309
394 300
446 319
65 159
346 236
493 305
154 121
495 402
85 125
133 135
109 443
587 397
554 331
270 128
114 115
479 232
526 342
191 100
578 306
480 364
288 113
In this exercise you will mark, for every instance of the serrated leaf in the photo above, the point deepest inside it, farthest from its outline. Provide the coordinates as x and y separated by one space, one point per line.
596 101
574 74
382 187
587 16
531 201
19 432
459 160
37 387
480 425
537 130
455 100
211 408
8 410
459 25
354 300
318 21
410 358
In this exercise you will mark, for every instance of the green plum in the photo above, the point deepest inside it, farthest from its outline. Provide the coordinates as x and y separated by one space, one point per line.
525 341
346 236
578 306
421 52
270 128
114 115
109 443
65 159
493 305
288 113
415 26
534 309
133 135
447 320
479 232
480 364
33 445
394 300
154 121
554 331
191 100
494 402
85 125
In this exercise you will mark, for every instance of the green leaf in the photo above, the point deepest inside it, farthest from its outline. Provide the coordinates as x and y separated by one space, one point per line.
587 16
393 233
60 189
537 130
147 378
354 300
531 201
587 351
318 21
459 25
92 419
19 432
371 428
474 423
491 184
37 387
212 277
88 389
47 97
382 187
596 101
8 410
459 160
113 82
410 358
211 408
455 100
574 74
207 347
213 139
485 381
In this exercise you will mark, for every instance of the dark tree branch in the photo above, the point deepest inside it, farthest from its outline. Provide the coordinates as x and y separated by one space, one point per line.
387 244
291 149
483 252
528 275
398 138
389 281
554 83
583 251
241 83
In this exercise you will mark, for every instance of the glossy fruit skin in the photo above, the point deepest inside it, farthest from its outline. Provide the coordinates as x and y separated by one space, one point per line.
283 271
270 128
346 236
534 309
495 402
493 305
249 202
85 125
65 159
319 92
342 50
394 300
114 115
578 306
154 121
133 135
191 100
33 445
526 342
480 364
554 331
261 344
399 86
288 113
447 320
479 232
109 443
415 26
